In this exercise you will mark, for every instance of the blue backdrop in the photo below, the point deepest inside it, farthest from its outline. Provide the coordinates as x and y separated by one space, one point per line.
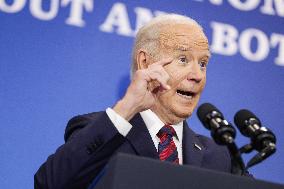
60 58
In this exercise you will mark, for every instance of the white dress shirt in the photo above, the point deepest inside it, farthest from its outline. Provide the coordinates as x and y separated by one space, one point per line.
153 124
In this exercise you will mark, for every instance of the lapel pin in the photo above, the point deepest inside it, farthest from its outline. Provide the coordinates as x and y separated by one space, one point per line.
197 146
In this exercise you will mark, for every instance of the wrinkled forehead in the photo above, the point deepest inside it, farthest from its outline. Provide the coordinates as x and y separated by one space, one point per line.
183 37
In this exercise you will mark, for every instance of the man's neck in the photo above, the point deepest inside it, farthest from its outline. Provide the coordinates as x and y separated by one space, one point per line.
166 117
154 124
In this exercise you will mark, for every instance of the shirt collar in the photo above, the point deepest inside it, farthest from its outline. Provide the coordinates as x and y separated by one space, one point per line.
154 124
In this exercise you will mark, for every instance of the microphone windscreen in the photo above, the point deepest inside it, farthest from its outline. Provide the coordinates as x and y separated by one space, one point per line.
204 110
242 116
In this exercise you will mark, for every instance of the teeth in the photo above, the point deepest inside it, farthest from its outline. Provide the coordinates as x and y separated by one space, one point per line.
185 96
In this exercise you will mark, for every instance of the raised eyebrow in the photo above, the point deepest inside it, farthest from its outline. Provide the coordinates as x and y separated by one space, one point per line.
181 48
184 49
207 55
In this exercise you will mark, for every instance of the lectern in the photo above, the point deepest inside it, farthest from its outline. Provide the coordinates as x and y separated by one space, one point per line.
132 172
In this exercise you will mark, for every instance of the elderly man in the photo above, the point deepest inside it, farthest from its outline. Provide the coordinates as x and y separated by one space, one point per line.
170 57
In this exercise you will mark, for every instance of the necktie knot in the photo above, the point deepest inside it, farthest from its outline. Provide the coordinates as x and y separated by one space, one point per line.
166 131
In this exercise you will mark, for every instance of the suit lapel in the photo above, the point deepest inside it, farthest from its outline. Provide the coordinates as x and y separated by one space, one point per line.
140 138
193 150
142 143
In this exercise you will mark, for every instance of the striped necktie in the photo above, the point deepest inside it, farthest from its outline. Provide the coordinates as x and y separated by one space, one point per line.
167 149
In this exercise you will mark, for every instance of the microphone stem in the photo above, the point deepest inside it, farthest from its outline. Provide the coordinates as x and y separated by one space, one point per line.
238 166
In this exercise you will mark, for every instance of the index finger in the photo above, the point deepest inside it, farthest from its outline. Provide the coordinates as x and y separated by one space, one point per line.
164 62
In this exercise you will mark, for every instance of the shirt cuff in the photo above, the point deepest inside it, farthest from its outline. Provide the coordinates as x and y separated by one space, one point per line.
119 122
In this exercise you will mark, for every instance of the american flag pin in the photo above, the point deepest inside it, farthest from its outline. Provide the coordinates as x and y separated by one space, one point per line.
197 146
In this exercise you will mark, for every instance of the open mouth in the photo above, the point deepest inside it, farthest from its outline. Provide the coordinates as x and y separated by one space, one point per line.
186 94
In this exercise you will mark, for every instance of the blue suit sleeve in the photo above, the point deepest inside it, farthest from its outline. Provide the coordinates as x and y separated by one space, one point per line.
90 141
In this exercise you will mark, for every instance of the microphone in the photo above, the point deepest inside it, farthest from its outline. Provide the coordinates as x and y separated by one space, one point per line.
223 133
262 139
250 126
221 130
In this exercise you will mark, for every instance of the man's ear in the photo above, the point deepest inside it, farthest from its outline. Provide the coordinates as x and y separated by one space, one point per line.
142 59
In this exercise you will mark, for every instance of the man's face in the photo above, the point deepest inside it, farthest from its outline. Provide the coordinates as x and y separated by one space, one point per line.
188 46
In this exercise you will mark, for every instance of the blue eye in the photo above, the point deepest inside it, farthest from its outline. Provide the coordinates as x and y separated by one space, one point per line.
183 60
203 64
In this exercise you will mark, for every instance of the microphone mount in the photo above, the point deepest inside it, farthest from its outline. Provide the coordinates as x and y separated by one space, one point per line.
223 134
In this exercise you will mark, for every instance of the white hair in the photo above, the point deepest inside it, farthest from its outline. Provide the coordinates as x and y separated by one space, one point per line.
148 35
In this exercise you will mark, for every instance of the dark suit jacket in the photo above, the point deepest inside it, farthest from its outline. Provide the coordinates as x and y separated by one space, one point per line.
92 139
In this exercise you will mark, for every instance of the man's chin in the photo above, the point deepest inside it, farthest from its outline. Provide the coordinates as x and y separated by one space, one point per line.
183 113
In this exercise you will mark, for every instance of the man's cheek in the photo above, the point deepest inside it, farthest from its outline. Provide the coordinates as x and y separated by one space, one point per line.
203 83
173 78
176 76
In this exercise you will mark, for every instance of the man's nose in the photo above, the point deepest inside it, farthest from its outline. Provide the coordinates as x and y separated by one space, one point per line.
195 74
